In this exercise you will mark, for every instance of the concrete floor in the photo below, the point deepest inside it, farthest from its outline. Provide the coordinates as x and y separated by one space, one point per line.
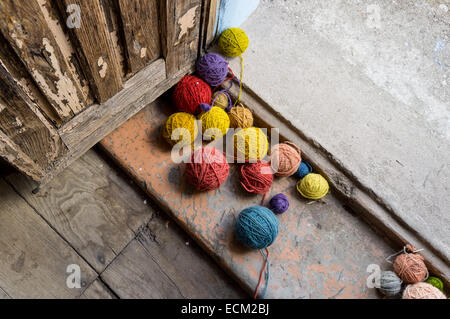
370 83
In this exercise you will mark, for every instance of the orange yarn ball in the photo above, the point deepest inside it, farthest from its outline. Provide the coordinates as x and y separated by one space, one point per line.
410 266
208 169
285 158
256 177
422 290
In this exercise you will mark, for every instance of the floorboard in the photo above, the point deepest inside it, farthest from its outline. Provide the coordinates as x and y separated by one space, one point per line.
34 258
163 262
108 221
91 205
97 291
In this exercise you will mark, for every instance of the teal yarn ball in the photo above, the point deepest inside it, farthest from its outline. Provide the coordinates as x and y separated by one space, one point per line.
256 227
304 169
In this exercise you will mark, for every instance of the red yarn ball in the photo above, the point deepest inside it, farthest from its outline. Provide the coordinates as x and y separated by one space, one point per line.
189 93
256 177
208 169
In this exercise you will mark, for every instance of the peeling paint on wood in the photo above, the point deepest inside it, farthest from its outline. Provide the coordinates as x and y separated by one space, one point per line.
141 29
25 27
65 46
186 22
103 67
180 26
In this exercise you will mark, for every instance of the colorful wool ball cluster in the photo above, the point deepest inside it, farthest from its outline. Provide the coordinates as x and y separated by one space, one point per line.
201 97
410 270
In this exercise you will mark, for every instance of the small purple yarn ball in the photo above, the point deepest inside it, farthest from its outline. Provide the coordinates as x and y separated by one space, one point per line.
279 203
212 68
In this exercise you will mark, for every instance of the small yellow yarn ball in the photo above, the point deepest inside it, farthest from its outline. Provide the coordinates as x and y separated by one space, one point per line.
240 117
251 143
233 42
313 186
221 100
183 121
215 122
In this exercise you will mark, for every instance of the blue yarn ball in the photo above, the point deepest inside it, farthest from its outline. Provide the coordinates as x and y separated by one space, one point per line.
304 169
256 227
279 203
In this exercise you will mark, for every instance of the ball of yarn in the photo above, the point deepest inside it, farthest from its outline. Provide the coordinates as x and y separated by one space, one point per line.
304 169
410 266
189 93
221 100
251 143
233 42
215 122
256 227
313 186
279 203
208 169
256 177
436 282
212 68
182 121
240 117
422 290
285 158
390 284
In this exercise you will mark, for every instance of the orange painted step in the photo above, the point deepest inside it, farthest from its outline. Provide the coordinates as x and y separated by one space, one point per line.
322 250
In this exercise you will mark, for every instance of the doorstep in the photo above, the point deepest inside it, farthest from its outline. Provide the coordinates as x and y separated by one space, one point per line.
323 248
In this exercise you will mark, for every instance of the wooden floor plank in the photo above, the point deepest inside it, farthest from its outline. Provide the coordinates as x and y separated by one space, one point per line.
92 206
34 258
97 291
162 262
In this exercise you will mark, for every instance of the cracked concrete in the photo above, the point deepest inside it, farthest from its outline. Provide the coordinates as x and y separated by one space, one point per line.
369 82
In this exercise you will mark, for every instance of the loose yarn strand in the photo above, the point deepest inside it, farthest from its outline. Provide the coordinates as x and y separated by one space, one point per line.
267 277
240 81
231 77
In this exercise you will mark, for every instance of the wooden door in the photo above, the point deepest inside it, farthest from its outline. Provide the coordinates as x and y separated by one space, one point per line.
73 70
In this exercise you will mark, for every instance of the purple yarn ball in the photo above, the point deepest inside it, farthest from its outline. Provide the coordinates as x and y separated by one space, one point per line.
212 68
279 203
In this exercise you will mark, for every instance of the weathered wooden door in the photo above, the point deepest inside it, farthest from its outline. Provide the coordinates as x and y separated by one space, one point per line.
73 70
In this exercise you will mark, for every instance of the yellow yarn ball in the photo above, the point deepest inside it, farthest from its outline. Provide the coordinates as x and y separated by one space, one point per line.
215 122
221 101
313 186
233 42
180 120
251 143
240 117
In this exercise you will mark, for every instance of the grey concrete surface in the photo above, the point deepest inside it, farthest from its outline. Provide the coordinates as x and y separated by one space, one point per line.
370 82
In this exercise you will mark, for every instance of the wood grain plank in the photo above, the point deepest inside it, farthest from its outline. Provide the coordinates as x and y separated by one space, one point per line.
211 22
34 257
123 106
95 49
115 29
97 290
162 262
180 30
23 123
141 29
84 125
91 206
20 76
12 153
56 25
24 26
